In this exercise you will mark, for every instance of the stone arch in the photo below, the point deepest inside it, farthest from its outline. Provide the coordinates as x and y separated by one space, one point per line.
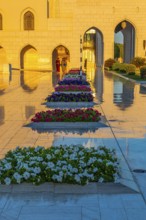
3 58
62 53
1 21
29 58
93 43
127 29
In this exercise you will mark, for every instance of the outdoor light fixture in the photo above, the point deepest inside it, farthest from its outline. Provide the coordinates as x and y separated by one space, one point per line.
123 24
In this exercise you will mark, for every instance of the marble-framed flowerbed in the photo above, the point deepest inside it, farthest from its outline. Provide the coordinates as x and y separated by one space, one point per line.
68 119
62 97
72 164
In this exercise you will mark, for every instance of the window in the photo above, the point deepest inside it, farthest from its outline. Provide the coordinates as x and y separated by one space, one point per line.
1 22
28 21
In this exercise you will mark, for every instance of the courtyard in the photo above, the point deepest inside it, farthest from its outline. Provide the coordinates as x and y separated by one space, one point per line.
122 103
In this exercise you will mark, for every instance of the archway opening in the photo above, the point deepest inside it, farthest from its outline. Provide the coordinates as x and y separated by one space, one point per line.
29 58
61 60
124 42
92 49
3 58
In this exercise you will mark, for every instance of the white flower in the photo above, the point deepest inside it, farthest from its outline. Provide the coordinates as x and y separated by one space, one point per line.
61 173
50 164
100 180
37 170
32 163
48 156
7 181
56 151
8 166
38 148
95 169
81 153
75 170
77 178
26 175
17 176
39 159
64 167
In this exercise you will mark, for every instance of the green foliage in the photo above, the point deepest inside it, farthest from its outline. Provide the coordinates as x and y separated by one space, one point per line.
143 71
109 62
116 66
73 164
118 50
138 61
130 69
123 67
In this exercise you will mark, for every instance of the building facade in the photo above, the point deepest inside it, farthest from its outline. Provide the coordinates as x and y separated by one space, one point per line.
34 33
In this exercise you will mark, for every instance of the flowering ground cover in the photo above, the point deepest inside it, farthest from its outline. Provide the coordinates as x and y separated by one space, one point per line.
73 82
63 164
67 115
74 88
62 97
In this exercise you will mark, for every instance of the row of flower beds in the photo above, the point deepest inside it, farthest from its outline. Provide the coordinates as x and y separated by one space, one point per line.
62 97
73 88
73 164
67 115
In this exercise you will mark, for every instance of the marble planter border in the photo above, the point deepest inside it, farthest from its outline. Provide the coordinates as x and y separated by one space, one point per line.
63 188
67 125
73 92
70 104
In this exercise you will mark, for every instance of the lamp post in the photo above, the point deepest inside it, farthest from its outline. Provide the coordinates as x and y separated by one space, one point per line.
81 53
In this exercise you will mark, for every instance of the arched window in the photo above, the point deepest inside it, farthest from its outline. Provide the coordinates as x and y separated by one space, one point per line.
1 22
28 21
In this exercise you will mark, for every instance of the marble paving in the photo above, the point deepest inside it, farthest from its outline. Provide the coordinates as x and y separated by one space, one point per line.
123 103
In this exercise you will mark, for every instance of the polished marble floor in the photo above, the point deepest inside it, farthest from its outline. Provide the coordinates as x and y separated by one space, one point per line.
122 102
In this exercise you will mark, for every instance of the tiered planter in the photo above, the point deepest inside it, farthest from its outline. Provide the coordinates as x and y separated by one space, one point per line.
71 100
64 101
68 118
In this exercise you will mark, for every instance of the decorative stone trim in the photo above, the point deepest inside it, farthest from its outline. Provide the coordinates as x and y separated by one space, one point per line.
67 125
70 104
92 188
72 92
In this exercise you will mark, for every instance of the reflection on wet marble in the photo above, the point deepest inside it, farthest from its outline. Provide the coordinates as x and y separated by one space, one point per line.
122 103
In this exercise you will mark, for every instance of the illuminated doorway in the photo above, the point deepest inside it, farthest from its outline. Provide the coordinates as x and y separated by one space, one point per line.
92 49
124 43
29 58
3 59
62 54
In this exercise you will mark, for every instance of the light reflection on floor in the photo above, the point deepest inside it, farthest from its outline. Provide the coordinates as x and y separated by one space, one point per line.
122 102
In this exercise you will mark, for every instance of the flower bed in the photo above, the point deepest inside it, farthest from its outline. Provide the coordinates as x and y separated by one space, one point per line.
75 71
67 115
62 97
63 164
73 88
73 82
